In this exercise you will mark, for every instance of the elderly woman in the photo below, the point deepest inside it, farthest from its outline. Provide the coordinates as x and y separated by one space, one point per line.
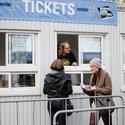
100 82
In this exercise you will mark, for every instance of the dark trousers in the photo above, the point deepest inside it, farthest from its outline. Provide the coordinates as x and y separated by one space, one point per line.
61 118
107 118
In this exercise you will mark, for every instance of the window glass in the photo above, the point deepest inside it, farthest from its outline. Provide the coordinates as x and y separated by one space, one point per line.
2 49
76 79
90 47
20 49
124 50
19 67
3 81
86 78
23 80
124 78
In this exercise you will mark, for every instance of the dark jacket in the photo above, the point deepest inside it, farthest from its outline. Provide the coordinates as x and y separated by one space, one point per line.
57 85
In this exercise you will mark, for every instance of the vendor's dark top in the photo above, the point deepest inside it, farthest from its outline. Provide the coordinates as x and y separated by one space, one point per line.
68 59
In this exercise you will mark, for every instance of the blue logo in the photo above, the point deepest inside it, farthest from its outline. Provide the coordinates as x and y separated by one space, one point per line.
5 4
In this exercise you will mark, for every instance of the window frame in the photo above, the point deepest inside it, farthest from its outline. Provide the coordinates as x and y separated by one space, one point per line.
89 36
22 68
122 64
7 52
8 77
84 68
77 88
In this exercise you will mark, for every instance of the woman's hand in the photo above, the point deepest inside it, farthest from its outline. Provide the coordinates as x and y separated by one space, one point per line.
92 88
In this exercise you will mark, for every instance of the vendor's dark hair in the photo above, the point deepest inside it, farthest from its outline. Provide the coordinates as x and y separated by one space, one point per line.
57 65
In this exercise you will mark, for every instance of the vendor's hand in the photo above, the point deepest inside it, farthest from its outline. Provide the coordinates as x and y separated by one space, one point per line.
92 88
74 64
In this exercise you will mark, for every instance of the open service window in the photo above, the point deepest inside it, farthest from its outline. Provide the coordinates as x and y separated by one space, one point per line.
19 67
85 47
72 40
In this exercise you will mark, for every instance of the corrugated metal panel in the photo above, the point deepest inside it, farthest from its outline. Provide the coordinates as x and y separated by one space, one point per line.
23 113
35 113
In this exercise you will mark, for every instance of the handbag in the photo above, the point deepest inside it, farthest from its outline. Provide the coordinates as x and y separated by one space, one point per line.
105 102
69 106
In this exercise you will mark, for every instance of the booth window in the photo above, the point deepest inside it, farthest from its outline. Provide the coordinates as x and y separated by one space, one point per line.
86 78
4 81
23 80
73 42
90 47
123 60
124 78
80 77
75 78
2 49
20 49
123 50
123 63
85 47
19 63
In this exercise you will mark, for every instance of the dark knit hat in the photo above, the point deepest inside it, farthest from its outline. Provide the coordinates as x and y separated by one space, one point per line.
96 62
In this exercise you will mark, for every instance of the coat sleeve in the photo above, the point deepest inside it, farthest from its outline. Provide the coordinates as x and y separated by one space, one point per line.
107 86
67 90
45 88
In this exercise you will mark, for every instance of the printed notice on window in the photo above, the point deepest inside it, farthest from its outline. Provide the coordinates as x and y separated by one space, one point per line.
90 48
21 43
